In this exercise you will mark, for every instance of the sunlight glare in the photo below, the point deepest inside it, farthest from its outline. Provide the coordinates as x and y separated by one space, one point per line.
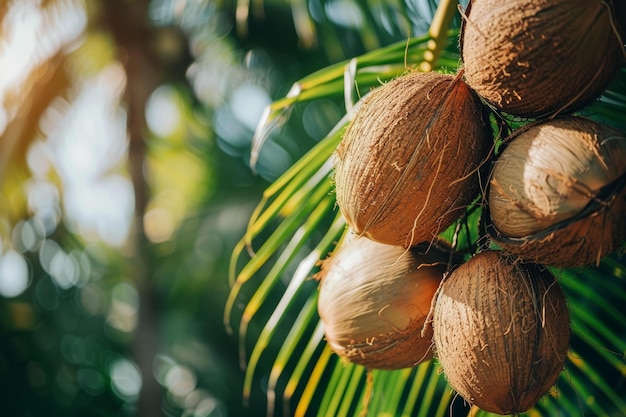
86 141
101 207
22 46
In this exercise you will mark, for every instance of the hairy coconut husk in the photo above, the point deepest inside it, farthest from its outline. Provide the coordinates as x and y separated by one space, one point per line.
407 166
539 58
556 195
374 299
501 332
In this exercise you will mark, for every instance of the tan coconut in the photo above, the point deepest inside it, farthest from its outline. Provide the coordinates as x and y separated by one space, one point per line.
407 165
556 194
501 332
374 299
539 58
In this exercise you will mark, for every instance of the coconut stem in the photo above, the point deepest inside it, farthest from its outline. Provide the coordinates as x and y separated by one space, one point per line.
438 32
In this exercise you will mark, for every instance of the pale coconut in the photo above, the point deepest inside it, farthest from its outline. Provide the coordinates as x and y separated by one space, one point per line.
556 194
374 299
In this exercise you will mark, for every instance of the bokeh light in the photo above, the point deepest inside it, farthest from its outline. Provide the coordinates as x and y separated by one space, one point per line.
125 378
317 115
180 381
122 314
92 299
14 274
163 112
91 380
247 103
158 224
344 13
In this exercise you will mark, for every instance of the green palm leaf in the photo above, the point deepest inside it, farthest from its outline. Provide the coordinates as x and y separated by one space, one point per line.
289 370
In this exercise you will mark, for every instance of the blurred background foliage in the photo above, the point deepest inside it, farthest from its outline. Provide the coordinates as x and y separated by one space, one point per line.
126 129
140 140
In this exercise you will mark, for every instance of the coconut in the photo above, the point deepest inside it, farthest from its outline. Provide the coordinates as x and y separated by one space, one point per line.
538 58
501 332
406 167
374 299
557 196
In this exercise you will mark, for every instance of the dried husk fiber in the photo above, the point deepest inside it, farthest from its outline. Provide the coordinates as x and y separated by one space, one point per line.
407 165
556 194
538 58
374 299
501 332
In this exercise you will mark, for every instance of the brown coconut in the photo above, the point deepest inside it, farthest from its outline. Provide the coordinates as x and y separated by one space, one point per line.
539 58
557 195
374 299
501 332
407 166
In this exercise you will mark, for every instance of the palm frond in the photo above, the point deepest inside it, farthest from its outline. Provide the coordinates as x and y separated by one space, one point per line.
354 78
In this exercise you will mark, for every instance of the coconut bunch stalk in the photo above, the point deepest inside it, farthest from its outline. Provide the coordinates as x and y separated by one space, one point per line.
542 57
501 332
407 165
557 192
374 299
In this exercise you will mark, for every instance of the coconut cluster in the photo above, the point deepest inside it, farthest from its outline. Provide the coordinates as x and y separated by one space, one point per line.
420 151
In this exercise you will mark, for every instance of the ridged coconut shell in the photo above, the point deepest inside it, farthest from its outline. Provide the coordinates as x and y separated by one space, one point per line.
556 194
538 58
501 332
374 299
407 165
